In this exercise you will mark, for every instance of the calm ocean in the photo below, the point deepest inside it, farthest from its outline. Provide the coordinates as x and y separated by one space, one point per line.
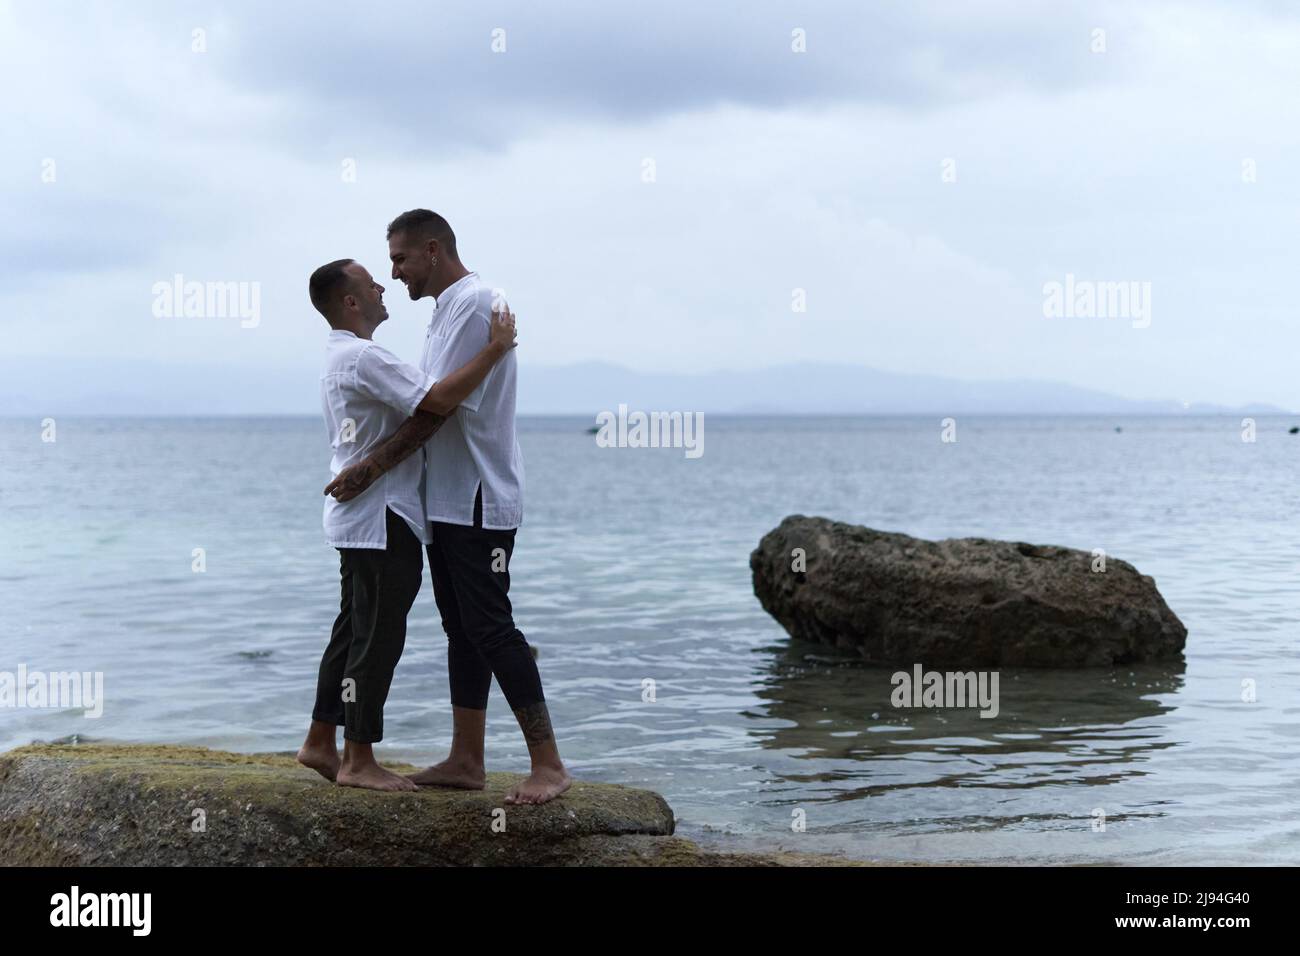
632 564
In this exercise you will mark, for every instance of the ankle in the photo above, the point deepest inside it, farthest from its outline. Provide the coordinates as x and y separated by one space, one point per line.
465 761
357 762
319 740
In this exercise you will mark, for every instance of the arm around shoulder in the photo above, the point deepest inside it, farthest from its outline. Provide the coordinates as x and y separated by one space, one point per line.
449 392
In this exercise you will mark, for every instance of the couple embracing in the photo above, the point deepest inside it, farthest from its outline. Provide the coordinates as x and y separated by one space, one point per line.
425 461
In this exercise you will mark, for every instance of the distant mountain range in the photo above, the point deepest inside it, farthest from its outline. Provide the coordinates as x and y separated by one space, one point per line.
149 388
827 389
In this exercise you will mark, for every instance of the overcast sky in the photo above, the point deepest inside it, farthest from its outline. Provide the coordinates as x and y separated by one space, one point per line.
136 148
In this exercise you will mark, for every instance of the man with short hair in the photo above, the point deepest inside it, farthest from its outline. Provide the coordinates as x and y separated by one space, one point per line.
366 392
474 503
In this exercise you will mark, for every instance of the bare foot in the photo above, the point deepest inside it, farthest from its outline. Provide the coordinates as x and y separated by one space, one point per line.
324 760
449 774
373 777
542 785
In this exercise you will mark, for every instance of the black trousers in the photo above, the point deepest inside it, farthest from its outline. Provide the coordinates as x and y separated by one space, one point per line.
470 567
378 589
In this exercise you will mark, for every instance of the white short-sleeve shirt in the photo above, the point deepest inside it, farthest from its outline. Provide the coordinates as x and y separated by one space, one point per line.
366 393
477 444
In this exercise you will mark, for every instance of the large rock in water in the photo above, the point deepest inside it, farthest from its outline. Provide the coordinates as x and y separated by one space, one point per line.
965 602
141 805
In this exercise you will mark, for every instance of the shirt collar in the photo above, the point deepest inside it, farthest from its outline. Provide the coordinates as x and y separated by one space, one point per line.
334 332
442 297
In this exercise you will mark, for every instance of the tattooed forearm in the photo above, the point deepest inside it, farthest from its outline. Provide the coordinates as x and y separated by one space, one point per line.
535 722
410 435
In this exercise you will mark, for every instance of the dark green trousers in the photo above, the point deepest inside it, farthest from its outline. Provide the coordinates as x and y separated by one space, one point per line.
378 589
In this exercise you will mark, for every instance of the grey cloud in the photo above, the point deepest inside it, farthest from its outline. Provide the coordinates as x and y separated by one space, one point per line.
55 230
427 73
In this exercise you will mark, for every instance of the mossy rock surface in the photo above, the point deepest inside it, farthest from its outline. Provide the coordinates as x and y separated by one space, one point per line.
137 805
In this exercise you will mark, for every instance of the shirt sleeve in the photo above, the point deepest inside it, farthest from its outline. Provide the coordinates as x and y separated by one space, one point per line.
468 336
381 375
